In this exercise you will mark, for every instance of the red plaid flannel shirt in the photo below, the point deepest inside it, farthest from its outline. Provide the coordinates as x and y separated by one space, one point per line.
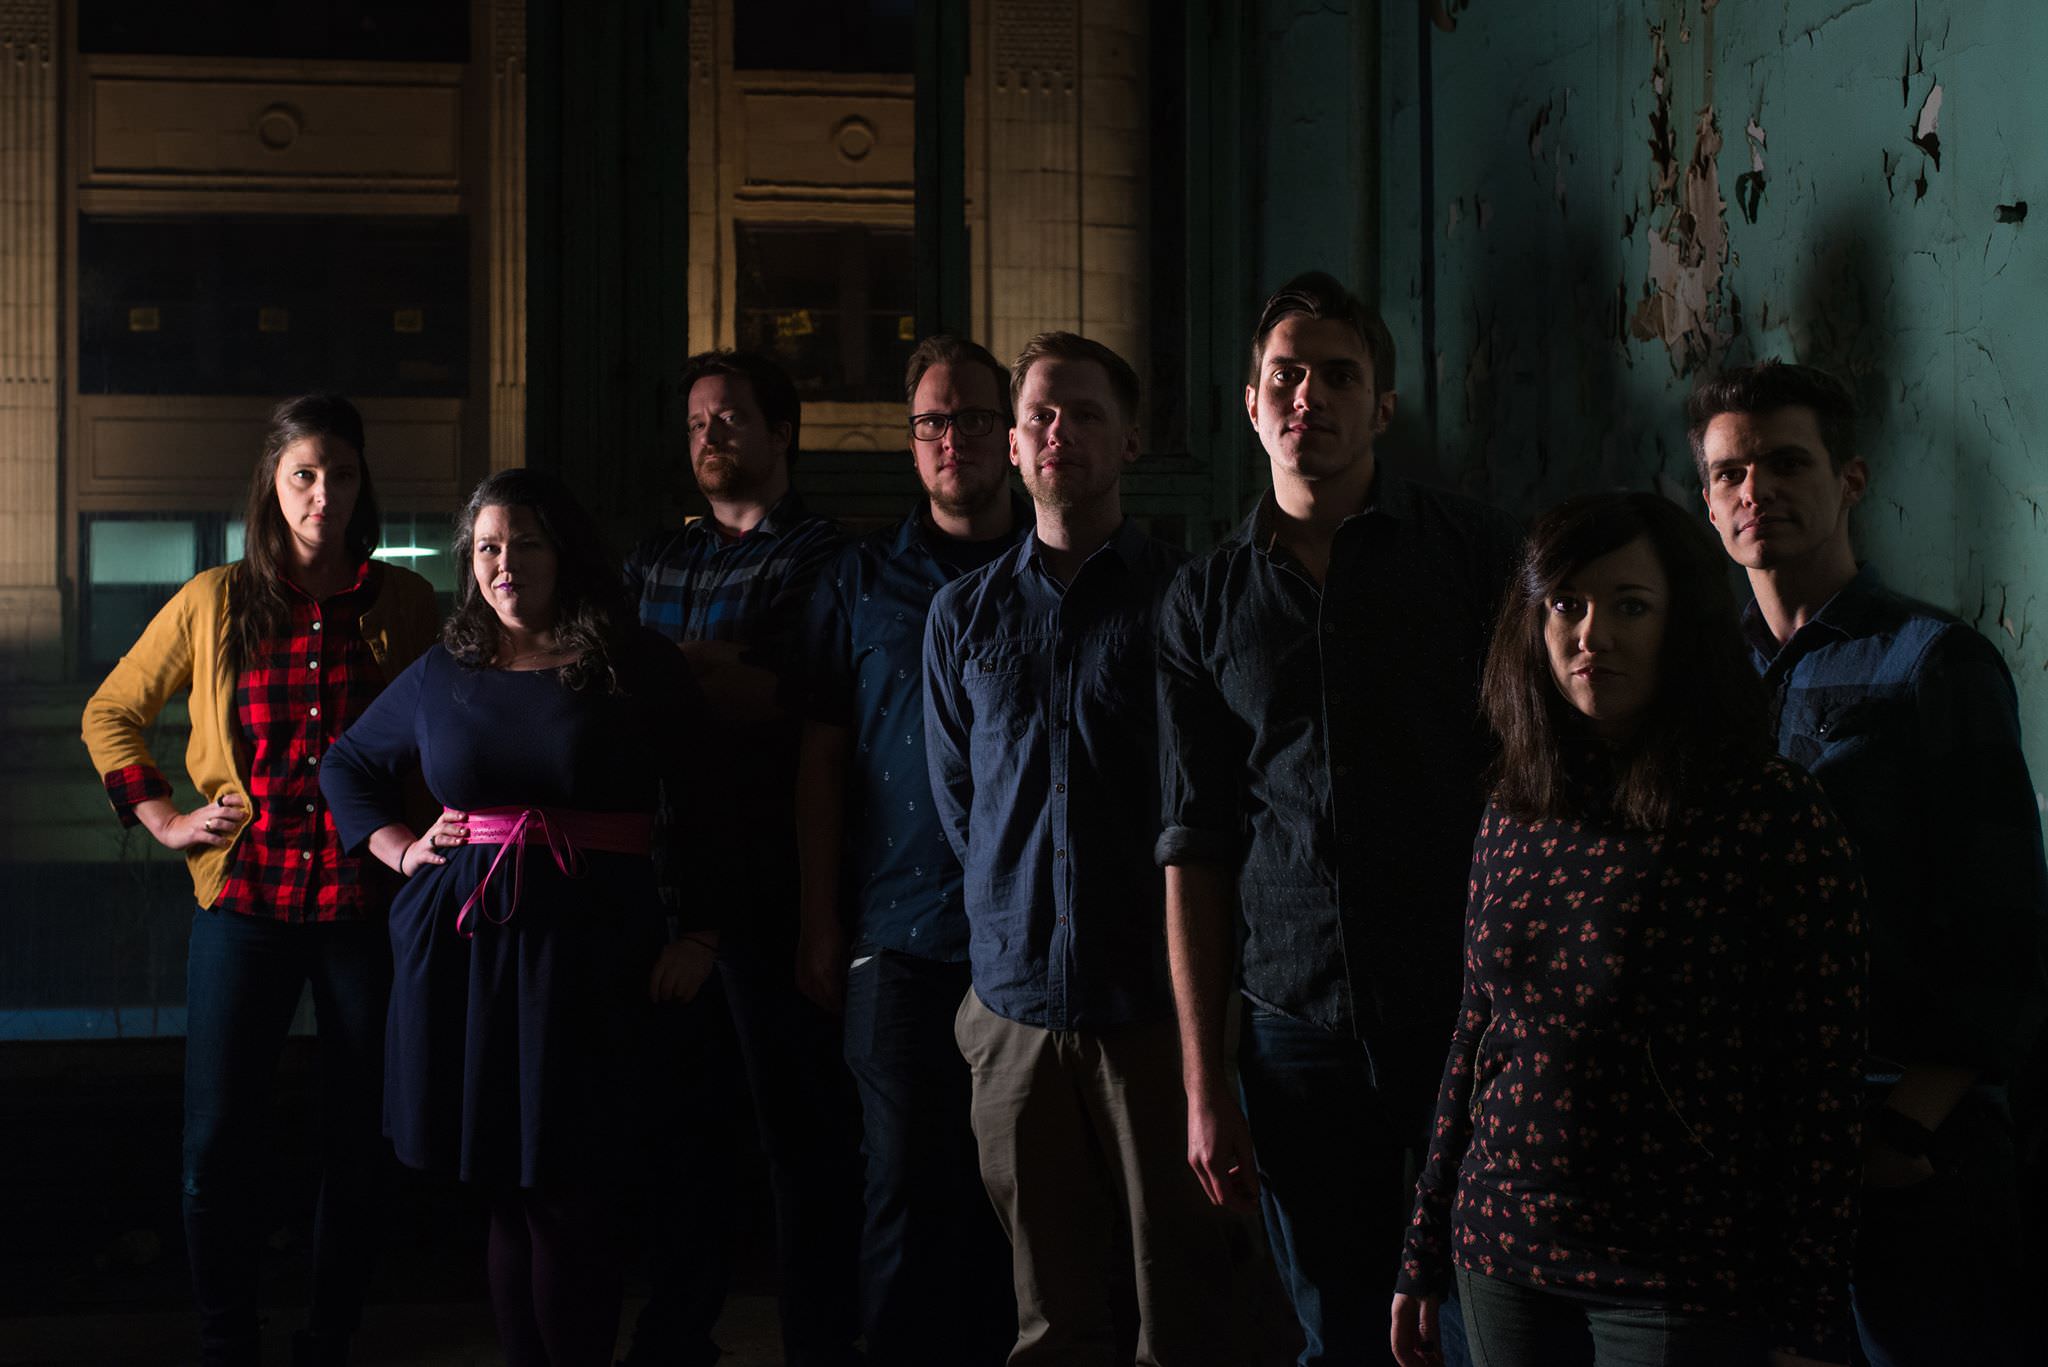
291 703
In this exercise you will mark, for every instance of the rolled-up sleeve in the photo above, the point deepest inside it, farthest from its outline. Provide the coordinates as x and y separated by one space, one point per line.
1203 745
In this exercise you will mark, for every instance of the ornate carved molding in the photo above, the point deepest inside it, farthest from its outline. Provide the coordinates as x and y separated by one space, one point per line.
30 611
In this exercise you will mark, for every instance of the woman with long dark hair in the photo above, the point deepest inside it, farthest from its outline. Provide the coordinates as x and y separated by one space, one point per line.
281 651
1646 1145
527 932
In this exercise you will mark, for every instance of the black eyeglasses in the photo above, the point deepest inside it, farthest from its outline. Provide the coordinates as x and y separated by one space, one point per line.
968 422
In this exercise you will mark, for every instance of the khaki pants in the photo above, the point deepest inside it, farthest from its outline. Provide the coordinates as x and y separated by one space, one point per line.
1081 1133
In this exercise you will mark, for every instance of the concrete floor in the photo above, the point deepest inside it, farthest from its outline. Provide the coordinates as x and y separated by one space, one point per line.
418 1335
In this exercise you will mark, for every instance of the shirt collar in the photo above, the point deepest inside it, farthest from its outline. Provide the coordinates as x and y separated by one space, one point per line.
362 577
916 533
782 515
1391 496
1124 544
1850 612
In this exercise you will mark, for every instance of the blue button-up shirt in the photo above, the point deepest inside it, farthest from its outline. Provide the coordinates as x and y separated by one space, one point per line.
863 669
1040 723
1909 720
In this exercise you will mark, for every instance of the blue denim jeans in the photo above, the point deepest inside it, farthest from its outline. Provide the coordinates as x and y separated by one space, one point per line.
1511 1325
1938 1265
1335 1186
243 975
935 1268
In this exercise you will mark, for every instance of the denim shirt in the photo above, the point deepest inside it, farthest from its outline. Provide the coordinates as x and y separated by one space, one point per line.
1909 720
1041 734
1324 745
863 670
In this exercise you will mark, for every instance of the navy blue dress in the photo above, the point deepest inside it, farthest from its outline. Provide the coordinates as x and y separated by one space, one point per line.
511 1057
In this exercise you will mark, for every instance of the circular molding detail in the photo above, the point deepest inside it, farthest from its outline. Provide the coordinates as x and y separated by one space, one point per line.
854 137
278 127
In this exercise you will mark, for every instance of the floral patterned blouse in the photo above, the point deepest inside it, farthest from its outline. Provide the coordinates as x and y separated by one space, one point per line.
1652 1090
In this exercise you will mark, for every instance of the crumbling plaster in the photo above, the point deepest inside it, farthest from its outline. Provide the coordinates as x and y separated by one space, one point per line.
1627 191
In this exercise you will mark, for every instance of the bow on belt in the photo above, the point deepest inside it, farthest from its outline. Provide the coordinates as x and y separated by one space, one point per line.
566 832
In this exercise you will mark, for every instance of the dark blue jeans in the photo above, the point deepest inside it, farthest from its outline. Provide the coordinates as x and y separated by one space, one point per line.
243 976
1335 1186
1511 1325
935 1268
807 1119
1937 1276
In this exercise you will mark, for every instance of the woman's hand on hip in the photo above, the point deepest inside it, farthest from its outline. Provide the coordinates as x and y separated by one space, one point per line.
212 826
449 831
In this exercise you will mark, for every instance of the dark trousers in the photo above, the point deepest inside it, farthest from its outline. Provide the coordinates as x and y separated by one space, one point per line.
1511 1325
243 976
1938 1271
807 1119
1081 1133
1335 1185
935 1267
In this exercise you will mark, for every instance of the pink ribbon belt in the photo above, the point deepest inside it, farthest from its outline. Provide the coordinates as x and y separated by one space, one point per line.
566 833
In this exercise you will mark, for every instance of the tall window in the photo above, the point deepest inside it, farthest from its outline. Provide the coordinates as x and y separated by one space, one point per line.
834 303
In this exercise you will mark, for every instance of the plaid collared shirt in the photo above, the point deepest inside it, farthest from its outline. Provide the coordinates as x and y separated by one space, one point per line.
697 584
291 703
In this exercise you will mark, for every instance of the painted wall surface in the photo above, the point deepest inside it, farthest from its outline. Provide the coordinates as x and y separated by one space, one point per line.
1626 191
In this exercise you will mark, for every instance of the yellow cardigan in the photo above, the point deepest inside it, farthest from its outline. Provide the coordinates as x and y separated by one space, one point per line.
186 644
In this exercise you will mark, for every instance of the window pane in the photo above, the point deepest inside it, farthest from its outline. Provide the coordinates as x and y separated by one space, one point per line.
366 307
143 552
419 542
824 35
828 301
376 30
132 567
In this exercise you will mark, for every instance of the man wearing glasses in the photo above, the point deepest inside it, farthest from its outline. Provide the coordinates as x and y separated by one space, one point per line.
884 933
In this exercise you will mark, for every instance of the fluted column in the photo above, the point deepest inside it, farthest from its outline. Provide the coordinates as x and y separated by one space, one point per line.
31 601
508 233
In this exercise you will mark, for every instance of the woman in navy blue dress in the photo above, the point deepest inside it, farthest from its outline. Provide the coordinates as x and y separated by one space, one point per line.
527 938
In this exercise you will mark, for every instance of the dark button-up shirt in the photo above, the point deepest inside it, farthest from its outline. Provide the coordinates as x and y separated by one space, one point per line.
1909 720
696 584
864 671
1324 744
1040 724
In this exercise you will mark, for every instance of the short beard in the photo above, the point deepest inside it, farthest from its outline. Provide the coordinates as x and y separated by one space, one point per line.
968 503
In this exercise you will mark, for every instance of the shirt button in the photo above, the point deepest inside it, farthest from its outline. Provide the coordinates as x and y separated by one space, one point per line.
316 626
1059 787
313 663
1063 920
1059 854
316 711
312 759
309 806
1342 770
305 854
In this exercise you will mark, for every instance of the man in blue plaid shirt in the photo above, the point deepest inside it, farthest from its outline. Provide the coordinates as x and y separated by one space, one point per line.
731 590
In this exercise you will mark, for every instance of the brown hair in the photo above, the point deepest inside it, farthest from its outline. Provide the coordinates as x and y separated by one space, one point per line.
258 609
773 390
1318 294
946 349
1708 716
1071 346
1767 387
593 614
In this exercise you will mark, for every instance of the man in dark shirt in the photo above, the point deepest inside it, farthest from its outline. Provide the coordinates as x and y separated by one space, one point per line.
1909 720
731 589
935 1268
1040 733
1323 757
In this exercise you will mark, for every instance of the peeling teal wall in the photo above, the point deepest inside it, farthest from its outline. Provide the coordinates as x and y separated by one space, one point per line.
1628 190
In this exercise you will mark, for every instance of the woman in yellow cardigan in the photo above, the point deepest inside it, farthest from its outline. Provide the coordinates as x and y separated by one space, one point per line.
280 651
